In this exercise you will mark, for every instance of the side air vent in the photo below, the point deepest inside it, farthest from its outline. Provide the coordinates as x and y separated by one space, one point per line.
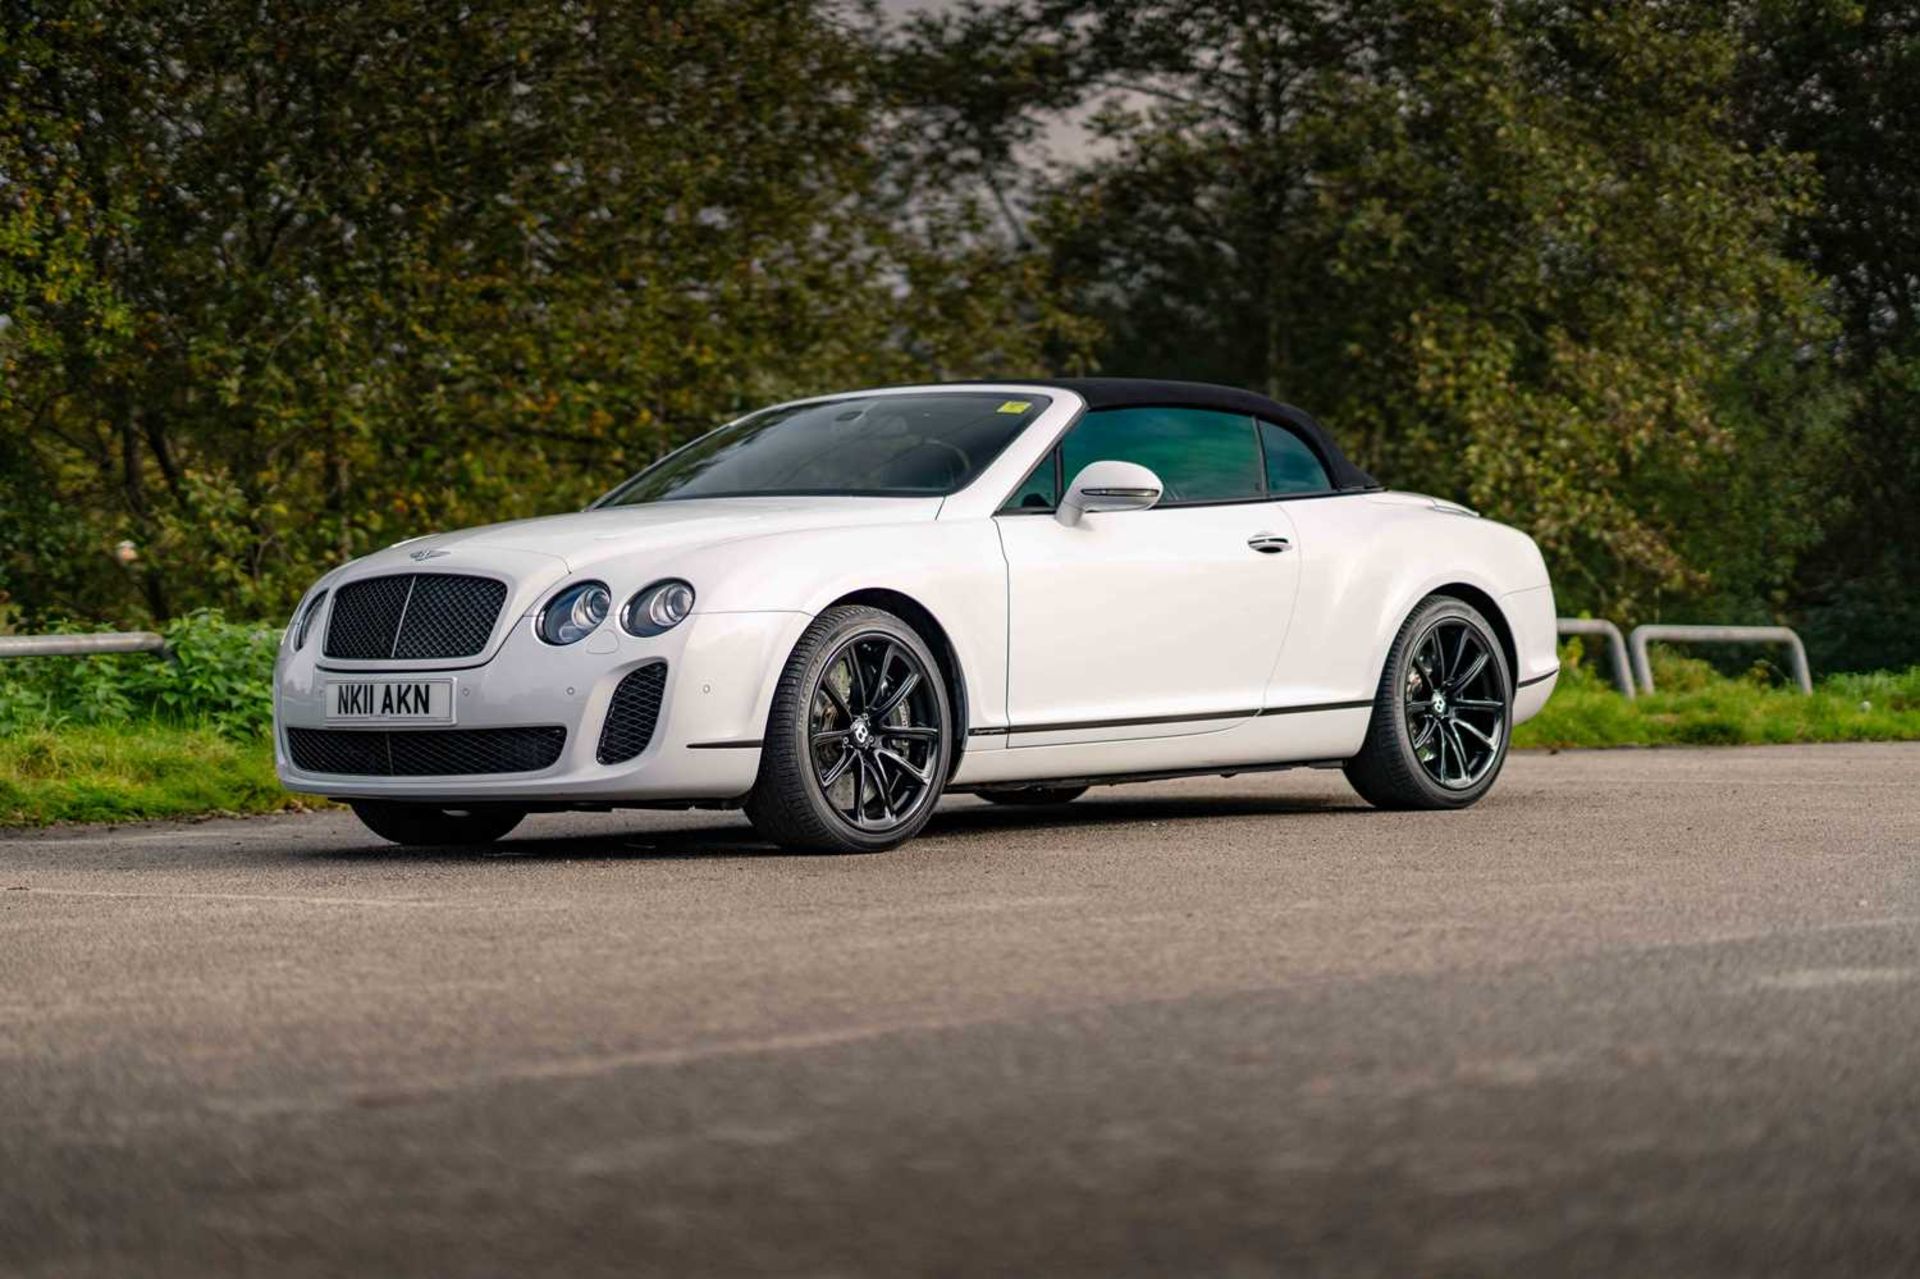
632 713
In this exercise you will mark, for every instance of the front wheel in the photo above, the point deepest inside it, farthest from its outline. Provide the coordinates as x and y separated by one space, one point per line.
1441 714
858 738
426 825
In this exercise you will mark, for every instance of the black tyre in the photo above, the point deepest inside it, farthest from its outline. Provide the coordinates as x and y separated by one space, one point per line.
1033 795
429 824
1441 714
858 739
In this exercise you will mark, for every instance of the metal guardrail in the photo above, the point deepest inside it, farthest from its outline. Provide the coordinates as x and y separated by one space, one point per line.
81 645
1624 676
1643 635
1616 647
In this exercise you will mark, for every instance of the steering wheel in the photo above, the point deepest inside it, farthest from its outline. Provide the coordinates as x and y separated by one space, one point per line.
961 462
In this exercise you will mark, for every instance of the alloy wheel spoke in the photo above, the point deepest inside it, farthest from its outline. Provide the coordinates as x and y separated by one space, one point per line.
834 774
832 735
857 685
834 696
1460 655
899 694
1426 733
1460 752
910 732
1478 704
901 762
1473 671
1490 743
872 770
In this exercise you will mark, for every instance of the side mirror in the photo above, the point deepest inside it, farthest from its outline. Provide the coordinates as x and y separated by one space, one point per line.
1108 486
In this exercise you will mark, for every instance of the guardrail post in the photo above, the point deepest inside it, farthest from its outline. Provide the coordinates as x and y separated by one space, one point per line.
1796 651
1616 646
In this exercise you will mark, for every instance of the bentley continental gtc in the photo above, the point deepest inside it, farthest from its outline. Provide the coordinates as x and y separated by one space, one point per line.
833 611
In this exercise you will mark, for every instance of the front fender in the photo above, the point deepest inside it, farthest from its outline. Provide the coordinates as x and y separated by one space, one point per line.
953 569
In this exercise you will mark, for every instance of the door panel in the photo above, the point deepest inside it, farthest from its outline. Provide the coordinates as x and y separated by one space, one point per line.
1166 616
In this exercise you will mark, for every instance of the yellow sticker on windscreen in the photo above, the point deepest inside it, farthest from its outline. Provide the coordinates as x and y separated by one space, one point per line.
1016 406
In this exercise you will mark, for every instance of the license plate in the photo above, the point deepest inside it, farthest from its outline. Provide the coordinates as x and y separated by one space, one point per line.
390 701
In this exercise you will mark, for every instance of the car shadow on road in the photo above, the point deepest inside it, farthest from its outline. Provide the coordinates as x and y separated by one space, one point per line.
969 823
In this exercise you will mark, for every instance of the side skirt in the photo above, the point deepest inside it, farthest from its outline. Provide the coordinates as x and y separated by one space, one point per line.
1123 779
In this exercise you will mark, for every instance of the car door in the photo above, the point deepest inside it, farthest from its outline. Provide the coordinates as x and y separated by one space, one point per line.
1147 623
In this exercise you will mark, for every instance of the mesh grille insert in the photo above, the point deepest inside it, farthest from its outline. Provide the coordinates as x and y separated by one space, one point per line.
414 615
444 752
365 616
632 713
450 615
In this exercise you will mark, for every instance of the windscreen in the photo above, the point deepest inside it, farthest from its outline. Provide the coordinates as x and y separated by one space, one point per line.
862 446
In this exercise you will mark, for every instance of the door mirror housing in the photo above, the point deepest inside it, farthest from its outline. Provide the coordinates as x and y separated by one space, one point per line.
1108 486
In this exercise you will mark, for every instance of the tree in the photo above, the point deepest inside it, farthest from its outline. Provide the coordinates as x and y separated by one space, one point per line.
285 282
1510 251
1839 83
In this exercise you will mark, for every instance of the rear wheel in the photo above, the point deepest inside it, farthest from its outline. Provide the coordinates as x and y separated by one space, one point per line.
1441 714
1033 795
858 739
428 824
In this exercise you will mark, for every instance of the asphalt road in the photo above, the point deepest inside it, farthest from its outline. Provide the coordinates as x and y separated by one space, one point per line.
1638 1013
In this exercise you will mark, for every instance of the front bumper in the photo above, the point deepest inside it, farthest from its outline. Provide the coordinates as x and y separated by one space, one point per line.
721 670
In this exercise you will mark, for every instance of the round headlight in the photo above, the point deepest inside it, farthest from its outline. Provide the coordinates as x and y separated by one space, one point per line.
574 613
303 623
658 609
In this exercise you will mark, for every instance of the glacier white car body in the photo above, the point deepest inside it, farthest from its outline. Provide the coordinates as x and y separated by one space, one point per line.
1127 643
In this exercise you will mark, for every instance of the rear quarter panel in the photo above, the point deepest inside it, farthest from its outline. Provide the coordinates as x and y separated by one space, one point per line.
1367 560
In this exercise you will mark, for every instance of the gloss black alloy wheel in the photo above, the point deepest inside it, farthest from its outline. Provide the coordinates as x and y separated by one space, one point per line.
875 729
1441 714
858 740
1456 720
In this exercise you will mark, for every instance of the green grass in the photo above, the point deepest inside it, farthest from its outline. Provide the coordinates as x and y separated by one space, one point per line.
140 769
1697 707
133 772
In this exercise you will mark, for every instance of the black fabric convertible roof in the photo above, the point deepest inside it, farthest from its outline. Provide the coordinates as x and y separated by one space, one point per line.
1142 393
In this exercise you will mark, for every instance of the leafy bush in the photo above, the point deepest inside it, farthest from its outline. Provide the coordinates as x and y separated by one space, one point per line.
217 673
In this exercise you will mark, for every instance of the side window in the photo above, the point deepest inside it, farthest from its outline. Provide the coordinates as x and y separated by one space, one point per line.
1200 456
1292 466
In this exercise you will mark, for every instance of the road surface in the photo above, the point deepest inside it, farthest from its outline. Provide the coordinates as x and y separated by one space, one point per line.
1640 1012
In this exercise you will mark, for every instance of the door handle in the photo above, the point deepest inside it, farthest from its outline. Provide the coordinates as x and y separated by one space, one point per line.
1269 543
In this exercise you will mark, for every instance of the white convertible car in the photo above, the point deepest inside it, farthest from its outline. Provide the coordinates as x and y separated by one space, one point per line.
831 612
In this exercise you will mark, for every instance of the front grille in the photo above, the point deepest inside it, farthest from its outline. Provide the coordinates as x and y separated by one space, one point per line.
414 615
441 752
632 713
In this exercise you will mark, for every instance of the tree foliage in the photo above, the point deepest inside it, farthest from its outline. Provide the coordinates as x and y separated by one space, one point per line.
284 282
1511 252
1839 83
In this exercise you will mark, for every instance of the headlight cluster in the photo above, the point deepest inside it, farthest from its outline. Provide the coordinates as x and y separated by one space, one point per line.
658 609
577 611
303 620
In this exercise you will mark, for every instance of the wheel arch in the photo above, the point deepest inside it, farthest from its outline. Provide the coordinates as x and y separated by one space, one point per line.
1485 604
934 635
